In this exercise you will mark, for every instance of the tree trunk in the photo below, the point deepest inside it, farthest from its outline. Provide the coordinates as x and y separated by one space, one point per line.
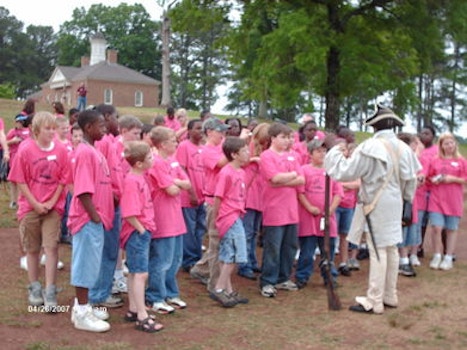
332 89
166 99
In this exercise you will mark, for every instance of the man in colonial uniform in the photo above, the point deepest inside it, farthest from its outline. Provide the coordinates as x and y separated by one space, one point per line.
387 168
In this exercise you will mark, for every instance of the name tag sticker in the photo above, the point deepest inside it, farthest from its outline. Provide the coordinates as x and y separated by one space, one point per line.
455 164
290 158
51 157
174 164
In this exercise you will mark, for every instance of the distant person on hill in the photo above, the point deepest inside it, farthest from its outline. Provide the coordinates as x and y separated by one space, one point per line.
81 92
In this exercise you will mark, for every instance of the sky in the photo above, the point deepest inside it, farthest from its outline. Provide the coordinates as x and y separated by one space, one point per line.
55 12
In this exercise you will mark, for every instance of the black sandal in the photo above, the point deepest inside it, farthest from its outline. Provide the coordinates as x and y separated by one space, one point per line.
147 326
131 316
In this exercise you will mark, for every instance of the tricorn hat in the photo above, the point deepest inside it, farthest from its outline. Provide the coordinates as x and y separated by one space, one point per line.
382 113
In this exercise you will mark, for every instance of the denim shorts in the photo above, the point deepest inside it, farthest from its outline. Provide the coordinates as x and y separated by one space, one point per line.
411 236
344 219
86 255
137 252
232 248
448 222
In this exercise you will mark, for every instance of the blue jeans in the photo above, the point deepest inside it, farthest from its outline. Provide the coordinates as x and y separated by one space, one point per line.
305 262
82 100
195 221
103 288
252 224
65 234
165 258
279 248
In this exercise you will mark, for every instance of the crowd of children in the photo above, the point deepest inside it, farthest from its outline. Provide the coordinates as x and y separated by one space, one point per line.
146 193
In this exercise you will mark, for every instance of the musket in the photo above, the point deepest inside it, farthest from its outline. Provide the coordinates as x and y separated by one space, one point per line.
334 302
372 236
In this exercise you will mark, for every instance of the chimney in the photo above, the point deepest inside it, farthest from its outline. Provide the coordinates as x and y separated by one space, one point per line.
112 56
84 61
98 47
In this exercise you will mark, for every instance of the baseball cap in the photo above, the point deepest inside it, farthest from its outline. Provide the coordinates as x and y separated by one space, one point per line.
215 124
21 118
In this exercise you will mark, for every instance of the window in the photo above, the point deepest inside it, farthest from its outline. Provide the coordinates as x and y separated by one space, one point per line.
108 96
138 99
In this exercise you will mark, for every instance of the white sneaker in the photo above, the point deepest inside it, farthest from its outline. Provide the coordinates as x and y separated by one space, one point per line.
414 260
125 267
177 302
446 264
287 285
87 321
435 262
23 263
60 264
101 313
162 308
119 285
268 291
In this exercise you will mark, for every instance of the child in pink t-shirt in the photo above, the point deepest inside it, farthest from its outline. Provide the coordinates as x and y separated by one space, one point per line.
229 206
311 212
166 179
40 172
91 212
207 269
194 212
111 278
447 174
282 174
14 138
138 225
254 205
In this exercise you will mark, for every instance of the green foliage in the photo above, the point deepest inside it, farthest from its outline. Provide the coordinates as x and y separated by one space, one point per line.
126 28
26 58
7 90
198 28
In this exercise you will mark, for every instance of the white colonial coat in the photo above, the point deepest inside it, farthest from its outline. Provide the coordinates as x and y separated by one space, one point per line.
371 162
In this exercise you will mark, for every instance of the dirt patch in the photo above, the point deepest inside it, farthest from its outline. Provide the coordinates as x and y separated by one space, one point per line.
431 314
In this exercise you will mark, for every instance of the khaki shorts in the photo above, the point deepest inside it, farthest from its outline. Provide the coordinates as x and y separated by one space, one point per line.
38 231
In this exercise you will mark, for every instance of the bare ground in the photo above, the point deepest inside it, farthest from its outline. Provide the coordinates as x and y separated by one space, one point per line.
431 315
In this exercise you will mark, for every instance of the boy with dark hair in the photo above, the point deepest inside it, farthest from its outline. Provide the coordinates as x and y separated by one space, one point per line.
229 206
282 174
189 156
91 212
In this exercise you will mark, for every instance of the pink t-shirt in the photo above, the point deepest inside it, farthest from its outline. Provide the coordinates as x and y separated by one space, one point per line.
23 134
173 124
189 157
91 175
2 127
124 165
447 198
280 206
254 187
167 209
210 156
42 171
301 149
425 159
108 147
230 188
136 201
314 191
67 143
350 199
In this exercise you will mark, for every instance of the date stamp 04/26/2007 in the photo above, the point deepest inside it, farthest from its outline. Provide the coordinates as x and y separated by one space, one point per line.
48 308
